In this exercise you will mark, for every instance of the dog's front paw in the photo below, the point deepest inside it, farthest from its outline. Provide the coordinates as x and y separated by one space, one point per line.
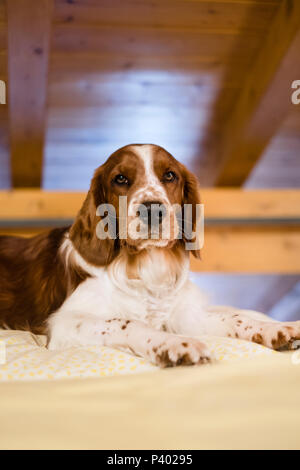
279 336
178 350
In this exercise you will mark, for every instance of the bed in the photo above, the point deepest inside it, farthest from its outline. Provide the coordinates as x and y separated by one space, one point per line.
99 398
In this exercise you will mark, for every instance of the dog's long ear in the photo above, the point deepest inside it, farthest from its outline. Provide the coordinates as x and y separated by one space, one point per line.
83 232
191 196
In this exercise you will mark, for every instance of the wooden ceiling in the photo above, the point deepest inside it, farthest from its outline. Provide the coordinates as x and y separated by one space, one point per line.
85 77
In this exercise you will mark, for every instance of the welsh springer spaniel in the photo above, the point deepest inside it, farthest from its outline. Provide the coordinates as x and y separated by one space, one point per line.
127 292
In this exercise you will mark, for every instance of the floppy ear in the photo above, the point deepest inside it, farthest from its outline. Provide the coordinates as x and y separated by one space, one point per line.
191 196
83 232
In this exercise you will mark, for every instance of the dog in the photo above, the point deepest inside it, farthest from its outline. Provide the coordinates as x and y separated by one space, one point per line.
82 286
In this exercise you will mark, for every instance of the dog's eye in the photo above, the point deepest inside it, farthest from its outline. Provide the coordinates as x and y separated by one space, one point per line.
121 179
169 176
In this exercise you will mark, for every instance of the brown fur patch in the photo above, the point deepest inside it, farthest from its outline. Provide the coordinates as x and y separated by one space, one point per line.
280 341
34 280
257 338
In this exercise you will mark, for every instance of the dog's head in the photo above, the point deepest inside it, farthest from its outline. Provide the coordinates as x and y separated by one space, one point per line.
136 201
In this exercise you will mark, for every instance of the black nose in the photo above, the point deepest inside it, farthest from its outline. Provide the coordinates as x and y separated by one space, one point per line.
152 212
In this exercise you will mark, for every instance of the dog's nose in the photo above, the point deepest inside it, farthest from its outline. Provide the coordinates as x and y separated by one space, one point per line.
152 212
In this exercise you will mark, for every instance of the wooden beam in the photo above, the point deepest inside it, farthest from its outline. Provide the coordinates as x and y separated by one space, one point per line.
163 13
218 203
237 203
232 243
234 249
256 250
29 23
264 100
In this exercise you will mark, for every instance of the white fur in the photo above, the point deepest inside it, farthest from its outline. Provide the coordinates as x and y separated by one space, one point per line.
152 190
159 300
110 309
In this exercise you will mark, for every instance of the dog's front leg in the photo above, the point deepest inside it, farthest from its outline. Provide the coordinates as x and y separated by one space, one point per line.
194 317
258 328
158 347
233 323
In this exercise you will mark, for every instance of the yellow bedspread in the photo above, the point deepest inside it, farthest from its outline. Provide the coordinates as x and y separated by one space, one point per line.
27 358
245 404
250 403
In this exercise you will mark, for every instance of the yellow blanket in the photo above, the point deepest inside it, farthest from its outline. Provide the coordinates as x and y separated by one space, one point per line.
27 358
243 405
246 404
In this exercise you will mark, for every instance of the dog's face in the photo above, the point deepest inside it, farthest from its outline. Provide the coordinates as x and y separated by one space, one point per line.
147 187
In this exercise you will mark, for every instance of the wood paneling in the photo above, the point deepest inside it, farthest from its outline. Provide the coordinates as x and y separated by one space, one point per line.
279 166
153 75
153 71
158 42
75 66
135 91
188 14
264 100
29 24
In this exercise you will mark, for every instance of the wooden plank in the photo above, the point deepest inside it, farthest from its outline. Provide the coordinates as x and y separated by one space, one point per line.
3 39
166 13
22 232
264 101
227 248
279 166
3 66
143 123
234 203
251 250
29 25
125 91
95 64
158 42
223 203
2 11
36 204
235 250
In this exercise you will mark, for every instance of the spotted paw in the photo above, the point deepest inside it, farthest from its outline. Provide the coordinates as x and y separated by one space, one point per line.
279 336
178 350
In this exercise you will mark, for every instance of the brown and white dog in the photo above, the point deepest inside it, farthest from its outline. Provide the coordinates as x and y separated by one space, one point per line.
129 293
